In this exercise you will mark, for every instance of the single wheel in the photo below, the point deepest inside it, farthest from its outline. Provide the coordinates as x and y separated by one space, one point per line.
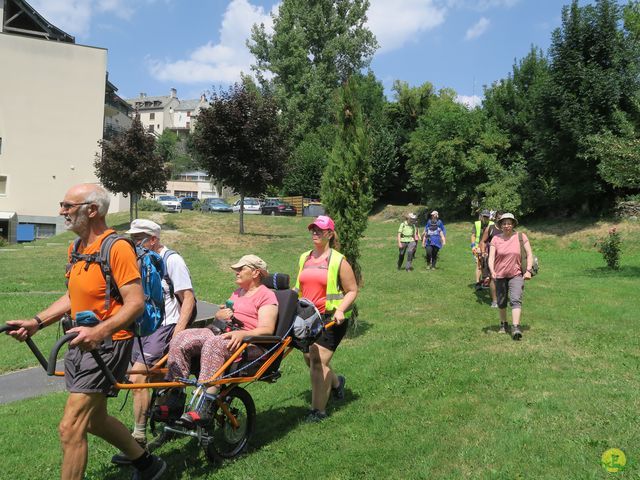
227 441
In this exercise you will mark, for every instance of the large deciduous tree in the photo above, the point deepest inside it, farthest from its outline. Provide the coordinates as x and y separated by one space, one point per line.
453 152
346 184
238 140
593 88
315 46
128 164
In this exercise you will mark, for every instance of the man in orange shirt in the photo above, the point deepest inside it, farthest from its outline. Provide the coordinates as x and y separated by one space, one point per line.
84 209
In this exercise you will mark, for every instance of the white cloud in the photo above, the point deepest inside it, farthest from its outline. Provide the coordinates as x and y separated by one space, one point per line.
471 101
72 16
119 8
217 62
478 29
396 22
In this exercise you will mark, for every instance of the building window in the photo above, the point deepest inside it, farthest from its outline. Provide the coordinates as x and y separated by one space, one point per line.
188 124
188 114
152 116
150 128
0 145
3 184
45 230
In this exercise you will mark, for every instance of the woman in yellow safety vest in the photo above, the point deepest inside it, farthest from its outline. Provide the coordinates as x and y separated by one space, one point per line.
326 278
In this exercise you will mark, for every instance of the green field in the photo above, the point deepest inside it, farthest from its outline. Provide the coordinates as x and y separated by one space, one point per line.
433 391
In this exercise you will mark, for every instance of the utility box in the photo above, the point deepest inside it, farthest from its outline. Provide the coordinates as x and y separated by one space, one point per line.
26 232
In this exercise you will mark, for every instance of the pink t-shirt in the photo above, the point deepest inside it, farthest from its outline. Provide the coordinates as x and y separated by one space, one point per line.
246 308
507 262
313 281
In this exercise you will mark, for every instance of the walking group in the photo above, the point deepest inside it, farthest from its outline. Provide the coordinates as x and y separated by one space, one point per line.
502 256
433 238
105 296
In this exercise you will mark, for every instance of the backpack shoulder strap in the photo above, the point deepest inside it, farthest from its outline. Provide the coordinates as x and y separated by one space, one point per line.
523 254
167 278
111 289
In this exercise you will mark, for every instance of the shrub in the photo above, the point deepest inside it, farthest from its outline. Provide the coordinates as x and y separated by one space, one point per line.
610 248
3 242
149 205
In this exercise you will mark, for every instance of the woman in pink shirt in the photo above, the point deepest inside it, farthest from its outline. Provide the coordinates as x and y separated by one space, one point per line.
505 264
321 270
255 308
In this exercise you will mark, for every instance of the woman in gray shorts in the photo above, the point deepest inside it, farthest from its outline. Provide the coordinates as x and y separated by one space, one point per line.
505 265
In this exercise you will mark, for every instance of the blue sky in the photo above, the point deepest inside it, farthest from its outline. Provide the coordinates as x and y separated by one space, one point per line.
197 45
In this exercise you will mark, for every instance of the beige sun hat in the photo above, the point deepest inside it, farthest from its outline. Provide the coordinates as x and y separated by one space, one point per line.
251 261
507 216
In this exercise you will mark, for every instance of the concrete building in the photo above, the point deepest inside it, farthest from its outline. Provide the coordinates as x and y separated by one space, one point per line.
52 108
117 112
192 184
162 112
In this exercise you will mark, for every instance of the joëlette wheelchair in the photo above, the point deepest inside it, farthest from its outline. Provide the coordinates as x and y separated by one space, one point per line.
234 414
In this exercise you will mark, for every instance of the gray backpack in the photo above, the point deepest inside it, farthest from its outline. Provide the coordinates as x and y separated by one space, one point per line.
307 325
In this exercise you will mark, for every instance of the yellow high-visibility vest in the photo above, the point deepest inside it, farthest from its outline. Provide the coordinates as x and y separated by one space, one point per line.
334 294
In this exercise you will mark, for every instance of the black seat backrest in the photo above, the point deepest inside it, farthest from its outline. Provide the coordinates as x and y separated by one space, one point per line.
287 307
287 301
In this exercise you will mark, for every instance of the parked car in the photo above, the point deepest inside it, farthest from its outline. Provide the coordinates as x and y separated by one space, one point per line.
215 205
187 202
278 207
170 203
251 206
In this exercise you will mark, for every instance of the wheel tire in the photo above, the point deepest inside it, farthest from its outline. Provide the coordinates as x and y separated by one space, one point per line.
225 442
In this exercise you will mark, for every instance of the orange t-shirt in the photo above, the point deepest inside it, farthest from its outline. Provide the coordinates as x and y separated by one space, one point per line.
87 287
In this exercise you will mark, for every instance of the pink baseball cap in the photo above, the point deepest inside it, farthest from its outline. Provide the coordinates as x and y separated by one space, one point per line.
323 222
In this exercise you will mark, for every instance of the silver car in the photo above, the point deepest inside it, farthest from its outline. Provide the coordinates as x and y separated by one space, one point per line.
251 206
169 203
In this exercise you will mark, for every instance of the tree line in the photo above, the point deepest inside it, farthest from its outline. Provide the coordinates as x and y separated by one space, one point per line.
559 134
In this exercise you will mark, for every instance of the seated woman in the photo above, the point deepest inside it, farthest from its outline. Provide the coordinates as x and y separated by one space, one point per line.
255 307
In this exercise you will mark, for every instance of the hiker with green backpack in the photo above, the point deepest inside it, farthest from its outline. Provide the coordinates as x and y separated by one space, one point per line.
511 262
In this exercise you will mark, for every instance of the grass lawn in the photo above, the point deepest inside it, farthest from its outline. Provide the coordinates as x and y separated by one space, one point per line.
433 391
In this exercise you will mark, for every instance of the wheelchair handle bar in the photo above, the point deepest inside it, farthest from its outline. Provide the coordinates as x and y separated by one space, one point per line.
8 328
32 346
53 356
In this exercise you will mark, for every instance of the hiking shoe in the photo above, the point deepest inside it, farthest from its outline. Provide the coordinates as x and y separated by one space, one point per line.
193 418
315 416
153 471
516 334
121 459
494 304
338 392
503 327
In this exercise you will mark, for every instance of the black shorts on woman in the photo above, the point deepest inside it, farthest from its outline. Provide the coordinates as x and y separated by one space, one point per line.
332 336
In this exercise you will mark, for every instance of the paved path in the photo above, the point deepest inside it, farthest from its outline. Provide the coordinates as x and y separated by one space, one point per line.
28 383
34 382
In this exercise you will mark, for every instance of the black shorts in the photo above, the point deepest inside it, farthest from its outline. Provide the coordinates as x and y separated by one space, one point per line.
331 337
83 375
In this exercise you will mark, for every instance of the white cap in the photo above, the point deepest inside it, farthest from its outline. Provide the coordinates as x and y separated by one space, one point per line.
141 225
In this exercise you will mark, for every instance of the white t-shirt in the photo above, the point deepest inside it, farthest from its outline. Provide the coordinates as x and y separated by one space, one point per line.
179 274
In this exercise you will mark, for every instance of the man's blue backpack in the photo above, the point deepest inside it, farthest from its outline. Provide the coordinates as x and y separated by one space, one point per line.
152 270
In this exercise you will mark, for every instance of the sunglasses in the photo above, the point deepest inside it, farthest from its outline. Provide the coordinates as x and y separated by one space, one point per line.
67 205
317 231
